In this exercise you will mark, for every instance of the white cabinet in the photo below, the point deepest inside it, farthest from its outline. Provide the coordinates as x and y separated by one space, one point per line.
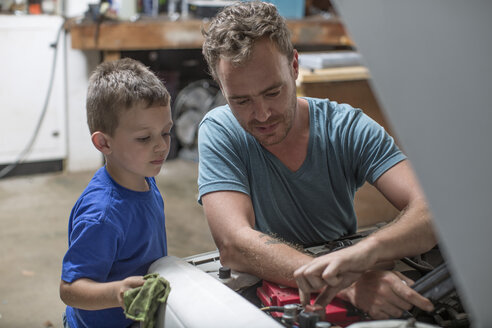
26 58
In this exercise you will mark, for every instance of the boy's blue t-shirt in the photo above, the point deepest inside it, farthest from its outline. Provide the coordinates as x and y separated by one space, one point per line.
113 233
314 203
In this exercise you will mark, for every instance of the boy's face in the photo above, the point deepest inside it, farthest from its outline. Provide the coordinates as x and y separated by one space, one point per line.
139 146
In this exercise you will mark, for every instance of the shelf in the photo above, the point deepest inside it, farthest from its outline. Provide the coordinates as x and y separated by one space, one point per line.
154 34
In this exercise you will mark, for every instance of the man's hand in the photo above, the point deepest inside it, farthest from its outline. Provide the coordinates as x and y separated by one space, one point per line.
333 272
127 284
385 294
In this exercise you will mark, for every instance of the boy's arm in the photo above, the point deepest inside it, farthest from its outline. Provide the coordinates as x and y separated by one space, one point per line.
87 294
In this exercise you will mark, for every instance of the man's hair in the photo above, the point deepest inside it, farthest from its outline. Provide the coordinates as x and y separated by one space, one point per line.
117 86
233 32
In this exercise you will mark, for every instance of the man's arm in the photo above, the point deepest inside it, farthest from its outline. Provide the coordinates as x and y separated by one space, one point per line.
88 294
231 220
410 234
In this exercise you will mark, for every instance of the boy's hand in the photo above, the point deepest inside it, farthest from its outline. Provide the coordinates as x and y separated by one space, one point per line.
126 284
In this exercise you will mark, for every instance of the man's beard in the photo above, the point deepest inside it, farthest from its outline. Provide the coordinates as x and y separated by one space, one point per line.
284 124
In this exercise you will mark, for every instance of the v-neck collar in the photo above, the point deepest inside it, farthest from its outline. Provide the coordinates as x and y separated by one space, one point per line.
305 164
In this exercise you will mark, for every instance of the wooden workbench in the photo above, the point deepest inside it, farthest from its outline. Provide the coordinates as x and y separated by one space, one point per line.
161 33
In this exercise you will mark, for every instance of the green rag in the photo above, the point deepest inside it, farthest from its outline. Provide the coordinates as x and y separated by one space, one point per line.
141 303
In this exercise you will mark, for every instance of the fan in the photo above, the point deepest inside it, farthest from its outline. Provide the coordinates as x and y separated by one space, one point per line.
190 106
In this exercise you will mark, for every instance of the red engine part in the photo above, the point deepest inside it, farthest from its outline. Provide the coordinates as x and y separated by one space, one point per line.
338 312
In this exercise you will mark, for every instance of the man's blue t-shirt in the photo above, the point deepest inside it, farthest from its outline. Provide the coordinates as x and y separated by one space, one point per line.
113 233
315 203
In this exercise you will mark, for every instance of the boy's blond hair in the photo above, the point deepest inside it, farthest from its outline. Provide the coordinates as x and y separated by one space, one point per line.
118 86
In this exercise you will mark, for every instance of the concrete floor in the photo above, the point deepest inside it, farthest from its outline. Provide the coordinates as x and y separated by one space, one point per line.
34 212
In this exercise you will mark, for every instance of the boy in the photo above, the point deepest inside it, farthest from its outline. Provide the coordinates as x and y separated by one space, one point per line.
117 226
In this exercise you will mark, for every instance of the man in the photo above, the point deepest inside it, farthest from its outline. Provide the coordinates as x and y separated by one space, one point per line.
277 172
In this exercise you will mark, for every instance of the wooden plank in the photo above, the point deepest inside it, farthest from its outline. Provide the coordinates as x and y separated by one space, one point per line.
347 73
111 55
140 35
186 34
319 32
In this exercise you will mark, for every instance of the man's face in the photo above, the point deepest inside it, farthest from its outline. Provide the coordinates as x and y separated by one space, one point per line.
140 144
262 92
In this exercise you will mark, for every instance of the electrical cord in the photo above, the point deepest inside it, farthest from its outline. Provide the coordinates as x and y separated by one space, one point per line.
6 170
273 309
418 264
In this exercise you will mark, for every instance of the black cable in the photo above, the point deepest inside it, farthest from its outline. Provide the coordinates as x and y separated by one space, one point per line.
418 264
6 170
273 309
